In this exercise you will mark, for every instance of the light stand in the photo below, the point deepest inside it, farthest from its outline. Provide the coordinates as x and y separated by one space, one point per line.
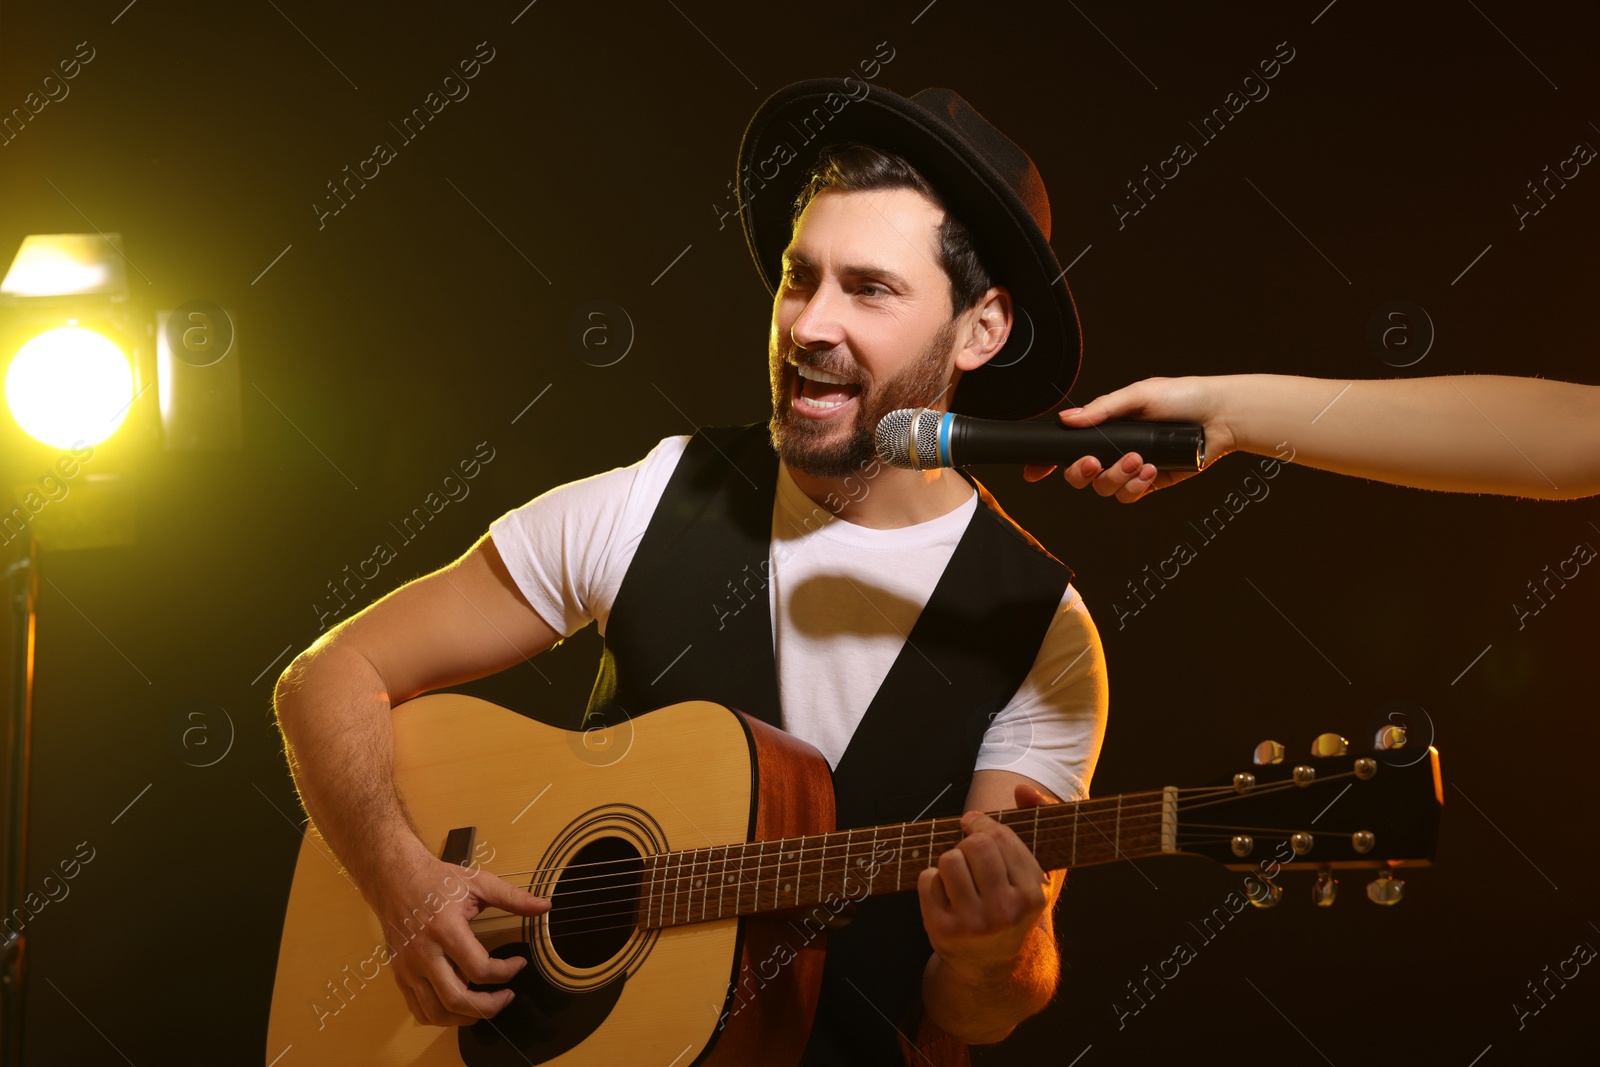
24 581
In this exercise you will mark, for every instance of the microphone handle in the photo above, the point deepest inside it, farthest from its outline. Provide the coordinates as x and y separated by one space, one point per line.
1171 446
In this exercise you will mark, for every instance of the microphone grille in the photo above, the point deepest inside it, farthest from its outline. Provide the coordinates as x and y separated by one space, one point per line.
909 439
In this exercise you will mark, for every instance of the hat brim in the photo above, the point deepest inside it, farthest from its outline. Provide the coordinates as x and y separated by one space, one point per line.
1036 368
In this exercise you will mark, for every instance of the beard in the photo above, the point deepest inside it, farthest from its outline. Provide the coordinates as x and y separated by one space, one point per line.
820 449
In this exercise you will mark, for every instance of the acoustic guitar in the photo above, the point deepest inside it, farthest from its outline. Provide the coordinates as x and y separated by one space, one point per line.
693 869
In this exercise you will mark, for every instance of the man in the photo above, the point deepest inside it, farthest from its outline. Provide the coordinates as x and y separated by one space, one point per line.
894 619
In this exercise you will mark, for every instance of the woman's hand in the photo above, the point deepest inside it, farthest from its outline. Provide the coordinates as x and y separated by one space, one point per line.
1192 399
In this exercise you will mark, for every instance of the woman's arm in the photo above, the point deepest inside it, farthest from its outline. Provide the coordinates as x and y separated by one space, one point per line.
1467 433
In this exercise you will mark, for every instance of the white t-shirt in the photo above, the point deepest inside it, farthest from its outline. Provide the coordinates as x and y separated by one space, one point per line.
842 599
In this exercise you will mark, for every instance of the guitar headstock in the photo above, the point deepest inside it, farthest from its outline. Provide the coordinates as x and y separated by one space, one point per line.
1320 806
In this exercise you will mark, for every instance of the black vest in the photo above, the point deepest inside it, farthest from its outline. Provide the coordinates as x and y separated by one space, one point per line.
691 622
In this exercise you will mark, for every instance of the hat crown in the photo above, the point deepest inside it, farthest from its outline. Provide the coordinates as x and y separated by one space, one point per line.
1009 161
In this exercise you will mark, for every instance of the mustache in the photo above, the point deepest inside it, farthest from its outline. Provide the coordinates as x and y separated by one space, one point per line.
800 357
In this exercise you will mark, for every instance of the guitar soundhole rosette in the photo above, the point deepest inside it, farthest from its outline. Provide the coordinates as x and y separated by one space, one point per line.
593 875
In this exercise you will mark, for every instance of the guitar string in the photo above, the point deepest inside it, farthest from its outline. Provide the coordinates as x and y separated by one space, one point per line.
824 845
805 852
1275 787
758 888
761 885
741 876
941 839
1208 796
707 856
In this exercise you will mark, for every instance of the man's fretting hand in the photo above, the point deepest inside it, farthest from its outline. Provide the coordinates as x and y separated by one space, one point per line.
425 905
981 902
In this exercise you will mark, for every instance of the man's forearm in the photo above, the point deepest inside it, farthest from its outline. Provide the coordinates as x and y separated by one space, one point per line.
981 1009
335 717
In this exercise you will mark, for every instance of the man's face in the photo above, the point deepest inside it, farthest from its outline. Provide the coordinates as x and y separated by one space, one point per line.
861 326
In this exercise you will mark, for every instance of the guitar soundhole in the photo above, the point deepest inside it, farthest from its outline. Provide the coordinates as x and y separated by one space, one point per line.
593 910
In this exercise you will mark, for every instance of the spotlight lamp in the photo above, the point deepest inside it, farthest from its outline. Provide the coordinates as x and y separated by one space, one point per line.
70 386
75 360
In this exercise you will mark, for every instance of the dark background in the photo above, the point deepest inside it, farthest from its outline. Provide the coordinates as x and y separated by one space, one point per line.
380 349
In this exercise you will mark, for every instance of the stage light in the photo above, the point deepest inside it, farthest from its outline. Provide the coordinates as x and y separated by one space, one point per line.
75 353
74 350
79 354
67 264
70 387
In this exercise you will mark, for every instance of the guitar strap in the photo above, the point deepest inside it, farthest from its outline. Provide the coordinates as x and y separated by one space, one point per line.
672 637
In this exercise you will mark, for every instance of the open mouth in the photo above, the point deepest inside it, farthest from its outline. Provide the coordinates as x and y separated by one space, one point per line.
817 392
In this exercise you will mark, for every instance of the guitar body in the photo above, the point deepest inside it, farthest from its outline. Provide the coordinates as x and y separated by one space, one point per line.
540 799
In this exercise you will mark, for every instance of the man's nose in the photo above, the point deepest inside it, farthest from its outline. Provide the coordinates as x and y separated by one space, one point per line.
818 325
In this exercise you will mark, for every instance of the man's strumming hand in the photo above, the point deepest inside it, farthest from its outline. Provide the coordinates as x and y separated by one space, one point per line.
424 905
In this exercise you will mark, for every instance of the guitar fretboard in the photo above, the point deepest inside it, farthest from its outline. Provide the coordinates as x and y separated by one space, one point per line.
835 869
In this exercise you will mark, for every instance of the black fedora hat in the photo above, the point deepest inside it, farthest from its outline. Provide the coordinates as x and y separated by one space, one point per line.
984 179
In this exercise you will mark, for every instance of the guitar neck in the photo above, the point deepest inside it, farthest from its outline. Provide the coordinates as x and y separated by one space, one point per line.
836 869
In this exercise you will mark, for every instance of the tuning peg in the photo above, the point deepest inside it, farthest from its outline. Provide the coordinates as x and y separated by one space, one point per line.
1326 887
1268 752
1362 841
1390 737
1264 893
1366 767
1326 745
1385 889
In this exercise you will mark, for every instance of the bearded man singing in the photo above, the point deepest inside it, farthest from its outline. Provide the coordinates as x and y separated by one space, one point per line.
898 621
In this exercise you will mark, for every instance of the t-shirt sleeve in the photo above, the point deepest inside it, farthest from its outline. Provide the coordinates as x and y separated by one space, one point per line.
568 549
1052 728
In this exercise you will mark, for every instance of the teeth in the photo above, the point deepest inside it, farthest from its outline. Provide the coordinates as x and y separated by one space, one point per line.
813 375
808 402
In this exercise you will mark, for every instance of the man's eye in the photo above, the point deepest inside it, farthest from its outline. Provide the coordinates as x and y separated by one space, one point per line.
794 276
875 290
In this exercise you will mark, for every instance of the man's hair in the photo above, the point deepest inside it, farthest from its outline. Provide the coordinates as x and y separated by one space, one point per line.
853 167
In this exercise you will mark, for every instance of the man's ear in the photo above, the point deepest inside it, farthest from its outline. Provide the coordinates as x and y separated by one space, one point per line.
989 324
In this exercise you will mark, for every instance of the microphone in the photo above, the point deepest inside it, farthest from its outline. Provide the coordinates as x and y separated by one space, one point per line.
921 439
